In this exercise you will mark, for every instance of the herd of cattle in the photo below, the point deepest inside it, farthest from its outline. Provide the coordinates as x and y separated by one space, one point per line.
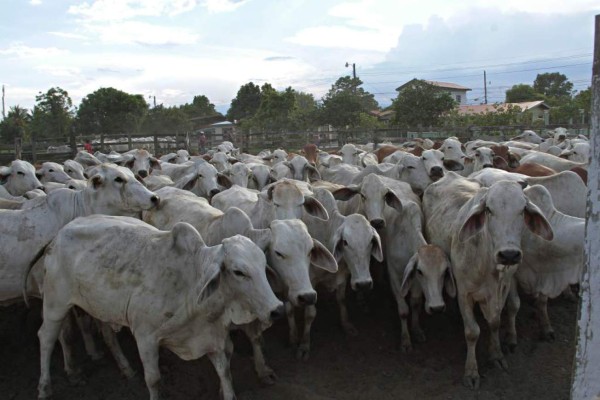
184 249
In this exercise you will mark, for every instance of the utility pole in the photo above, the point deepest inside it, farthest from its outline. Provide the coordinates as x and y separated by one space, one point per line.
3 110
484 87
353 69
587 358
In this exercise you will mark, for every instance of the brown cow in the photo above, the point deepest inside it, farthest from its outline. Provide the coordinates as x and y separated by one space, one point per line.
582 173
384 151
311 152
533 169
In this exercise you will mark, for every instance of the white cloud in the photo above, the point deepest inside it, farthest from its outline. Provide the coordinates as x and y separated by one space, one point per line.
59 71
217 6
20 50
111 10
35 2
344 37
133 32
69 35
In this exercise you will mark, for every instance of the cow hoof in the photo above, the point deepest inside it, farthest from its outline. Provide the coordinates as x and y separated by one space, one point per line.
548 336
406 348
509 347
350 330
76 379
129 373
419 336
501 364
44 392
471 381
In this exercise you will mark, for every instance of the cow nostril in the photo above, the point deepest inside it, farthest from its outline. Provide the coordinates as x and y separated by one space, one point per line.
277 313
214 192
155 199
488 166
42 188
307 299
437 171
438 309
143 173
363 286
509 257
378 223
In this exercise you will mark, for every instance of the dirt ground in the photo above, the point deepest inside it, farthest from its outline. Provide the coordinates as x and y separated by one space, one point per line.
369 366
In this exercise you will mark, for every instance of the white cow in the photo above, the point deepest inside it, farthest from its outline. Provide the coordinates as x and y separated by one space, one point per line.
282 200
529 136
261 176
86 159
52 172
301 169
200 177
239 174
578 152
548 268
140 161
350 154
112 190
276 157
74 169
222 161
484 227
551 161
19 178
169 288
178 157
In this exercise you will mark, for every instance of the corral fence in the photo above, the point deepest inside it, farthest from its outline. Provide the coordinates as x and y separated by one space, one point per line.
60 149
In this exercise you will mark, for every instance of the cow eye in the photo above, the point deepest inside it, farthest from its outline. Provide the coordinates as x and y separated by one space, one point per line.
118 179
239 273
50 170
69 170
20 173
410 167
424 159
487 210
345 243
200 176
278 254
420 272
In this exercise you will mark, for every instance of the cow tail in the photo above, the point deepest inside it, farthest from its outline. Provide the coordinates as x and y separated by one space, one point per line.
37 257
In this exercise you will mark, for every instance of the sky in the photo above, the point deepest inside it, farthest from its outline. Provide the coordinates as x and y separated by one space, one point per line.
174 50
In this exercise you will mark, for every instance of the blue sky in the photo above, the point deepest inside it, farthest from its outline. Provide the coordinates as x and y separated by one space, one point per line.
176 49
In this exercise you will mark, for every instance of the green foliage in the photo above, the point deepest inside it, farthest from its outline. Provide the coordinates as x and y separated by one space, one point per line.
421 103
52 114
522 92
16 124
553 85
345 102
162 119
111 111
246 102
200 107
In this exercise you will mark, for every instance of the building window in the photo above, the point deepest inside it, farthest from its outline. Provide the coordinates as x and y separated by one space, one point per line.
458 98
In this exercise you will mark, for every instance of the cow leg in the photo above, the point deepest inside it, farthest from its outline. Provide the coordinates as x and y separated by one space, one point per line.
110 338
495 350
416 305
265 374
340 296
471 378
220 361
84 322
310 312
541 305
291 317
48 333
65 339
148 349
513 303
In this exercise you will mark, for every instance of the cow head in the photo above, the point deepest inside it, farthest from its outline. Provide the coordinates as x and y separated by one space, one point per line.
52 172
203 180
411 169
302 170
140 162
434 163
19 178
289 202
74 169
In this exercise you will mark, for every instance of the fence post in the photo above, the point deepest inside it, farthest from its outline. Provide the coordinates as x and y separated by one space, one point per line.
72 142
102 142
33 155
129 142
156 145
18 142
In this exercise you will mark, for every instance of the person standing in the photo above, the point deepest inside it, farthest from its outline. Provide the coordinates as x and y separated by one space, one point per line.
202 143
88 146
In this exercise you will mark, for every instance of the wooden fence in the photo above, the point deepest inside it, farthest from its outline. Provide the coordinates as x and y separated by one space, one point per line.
252 142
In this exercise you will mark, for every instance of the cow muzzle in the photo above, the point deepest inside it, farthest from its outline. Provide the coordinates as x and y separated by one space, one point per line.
277 313
378 223
436 173
509 257
307 299
363 286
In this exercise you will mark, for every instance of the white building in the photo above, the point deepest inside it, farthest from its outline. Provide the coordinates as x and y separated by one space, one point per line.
458 92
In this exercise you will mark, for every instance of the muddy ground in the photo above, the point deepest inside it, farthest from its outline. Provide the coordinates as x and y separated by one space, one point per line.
369 366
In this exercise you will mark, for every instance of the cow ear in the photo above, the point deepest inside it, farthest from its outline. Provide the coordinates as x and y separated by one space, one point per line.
314 207
468 160
289 165
453 165
338 244
97 181
39 174
269 157
129 163
474 222
261 237
500 162
393 201
187 182
154 163
140 180
320 257
346 193
214 279
186 238
224 180
514 160
313 173
409 274
449 282
536 222
377 249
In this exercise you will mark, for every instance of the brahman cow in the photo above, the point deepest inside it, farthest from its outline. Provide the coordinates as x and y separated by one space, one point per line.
19 178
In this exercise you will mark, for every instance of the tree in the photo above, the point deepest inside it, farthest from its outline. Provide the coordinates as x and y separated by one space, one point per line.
246 102
344 103
162 119
421 104
111 111
522 92
200 106
553 85
52 114
15 124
